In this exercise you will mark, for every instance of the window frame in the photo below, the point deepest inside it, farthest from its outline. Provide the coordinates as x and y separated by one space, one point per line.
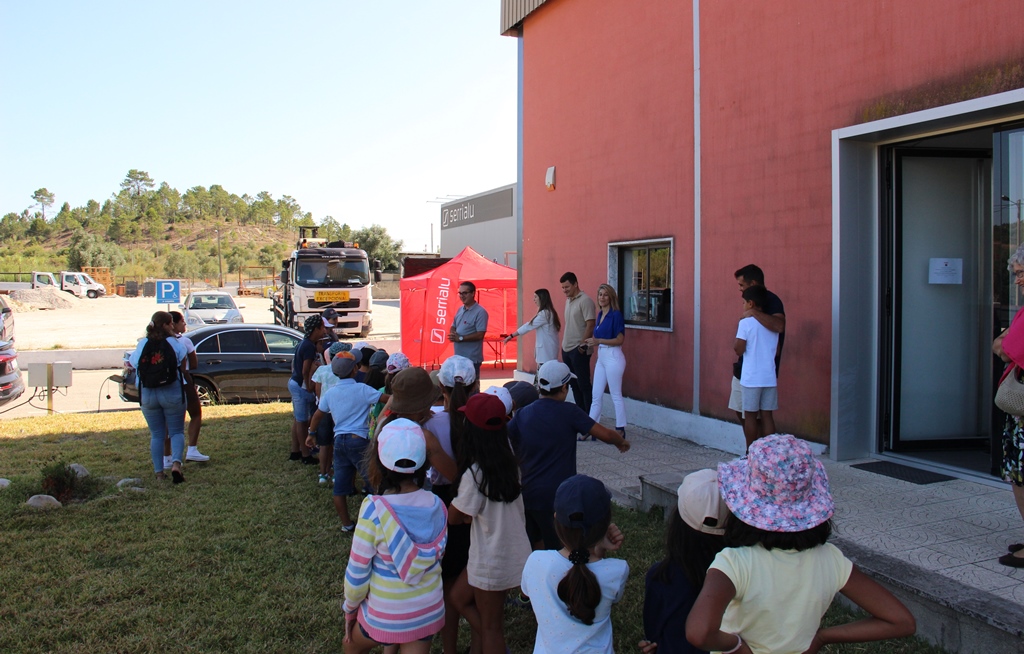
615 262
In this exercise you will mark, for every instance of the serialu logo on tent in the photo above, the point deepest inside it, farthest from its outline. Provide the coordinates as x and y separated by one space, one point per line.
438 334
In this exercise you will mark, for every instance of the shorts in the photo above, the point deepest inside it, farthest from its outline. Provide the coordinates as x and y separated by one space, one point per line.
736 396
195 407
349 451
760 398
303 402
456 552
325 431
540 526
425 639
1013 450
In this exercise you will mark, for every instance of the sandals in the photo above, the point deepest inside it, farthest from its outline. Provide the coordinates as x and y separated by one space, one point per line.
176 476
1016 547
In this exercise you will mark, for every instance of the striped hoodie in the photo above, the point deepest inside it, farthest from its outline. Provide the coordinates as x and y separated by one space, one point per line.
393 576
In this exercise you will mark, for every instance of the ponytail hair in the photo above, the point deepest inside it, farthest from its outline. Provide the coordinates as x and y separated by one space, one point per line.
455 397
579 588
155 328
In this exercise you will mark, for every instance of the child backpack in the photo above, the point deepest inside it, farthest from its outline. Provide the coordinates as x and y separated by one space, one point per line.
158 364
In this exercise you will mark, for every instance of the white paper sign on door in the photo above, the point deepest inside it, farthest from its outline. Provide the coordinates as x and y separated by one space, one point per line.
945 271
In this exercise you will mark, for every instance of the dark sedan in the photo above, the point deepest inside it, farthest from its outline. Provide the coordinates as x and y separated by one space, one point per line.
237 363
11 385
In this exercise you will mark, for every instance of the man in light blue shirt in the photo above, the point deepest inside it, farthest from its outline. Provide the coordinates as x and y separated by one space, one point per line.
470 327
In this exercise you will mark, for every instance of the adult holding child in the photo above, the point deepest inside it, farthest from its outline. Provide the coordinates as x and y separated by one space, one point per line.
580 313
159 360
545 324
609 333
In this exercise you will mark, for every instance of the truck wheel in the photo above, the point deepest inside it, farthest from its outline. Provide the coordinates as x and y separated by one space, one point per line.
364 332
91 294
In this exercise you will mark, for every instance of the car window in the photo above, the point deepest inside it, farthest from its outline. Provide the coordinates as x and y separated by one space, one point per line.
279 343
208 346
242 341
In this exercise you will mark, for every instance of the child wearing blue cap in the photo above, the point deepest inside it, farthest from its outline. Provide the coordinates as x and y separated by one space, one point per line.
572 589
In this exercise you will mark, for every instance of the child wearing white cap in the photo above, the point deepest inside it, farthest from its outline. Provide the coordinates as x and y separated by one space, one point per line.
393 579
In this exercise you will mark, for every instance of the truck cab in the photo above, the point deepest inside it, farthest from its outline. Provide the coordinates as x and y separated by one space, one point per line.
81 284
320 276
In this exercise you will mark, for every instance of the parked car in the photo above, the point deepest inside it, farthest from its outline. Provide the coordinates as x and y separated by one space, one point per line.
237 363
210 308
6 321
11 384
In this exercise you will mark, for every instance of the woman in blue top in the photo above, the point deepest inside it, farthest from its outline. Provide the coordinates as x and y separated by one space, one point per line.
163 407
609 332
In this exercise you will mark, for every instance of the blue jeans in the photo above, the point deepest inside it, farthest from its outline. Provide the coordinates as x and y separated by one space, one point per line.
349 451
303 402
164 411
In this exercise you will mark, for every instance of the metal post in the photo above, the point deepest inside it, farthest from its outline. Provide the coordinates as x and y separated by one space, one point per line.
49 389
220 264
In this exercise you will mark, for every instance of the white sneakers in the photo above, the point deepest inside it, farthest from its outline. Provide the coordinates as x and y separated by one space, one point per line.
194 454
168 463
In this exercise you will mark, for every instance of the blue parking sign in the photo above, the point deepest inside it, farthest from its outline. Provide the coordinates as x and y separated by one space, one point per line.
168 291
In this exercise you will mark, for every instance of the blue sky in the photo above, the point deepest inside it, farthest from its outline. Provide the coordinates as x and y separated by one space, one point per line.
360 110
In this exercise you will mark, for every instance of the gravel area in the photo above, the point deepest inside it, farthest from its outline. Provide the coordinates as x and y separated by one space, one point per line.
119 322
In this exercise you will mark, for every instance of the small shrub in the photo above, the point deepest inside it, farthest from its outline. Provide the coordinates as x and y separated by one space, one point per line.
61 481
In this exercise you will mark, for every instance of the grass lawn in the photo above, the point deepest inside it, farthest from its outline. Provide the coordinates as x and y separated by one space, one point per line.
246 556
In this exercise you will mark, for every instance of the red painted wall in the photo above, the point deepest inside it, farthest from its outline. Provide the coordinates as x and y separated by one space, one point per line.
619 132
608 101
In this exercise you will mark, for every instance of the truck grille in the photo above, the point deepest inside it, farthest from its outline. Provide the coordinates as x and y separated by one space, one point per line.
351 304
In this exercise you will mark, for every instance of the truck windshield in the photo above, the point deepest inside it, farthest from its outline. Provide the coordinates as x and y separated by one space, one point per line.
333 274
87 279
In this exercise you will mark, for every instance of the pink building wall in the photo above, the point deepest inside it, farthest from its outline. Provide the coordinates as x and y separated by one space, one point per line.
608 100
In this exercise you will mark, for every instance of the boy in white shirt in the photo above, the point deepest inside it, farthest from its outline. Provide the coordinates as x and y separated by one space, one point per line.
757 345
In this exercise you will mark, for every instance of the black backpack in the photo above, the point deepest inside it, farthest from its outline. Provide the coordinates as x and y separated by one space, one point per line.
158 364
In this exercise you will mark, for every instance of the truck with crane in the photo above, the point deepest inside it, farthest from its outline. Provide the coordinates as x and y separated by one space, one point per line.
321 275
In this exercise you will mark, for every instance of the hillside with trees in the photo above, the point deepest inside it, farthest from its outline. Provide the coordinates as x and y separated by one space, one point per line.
145 230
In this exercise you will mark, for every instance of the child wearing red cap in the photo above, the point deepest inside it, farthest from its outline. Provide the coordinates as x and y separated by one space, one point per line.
490 499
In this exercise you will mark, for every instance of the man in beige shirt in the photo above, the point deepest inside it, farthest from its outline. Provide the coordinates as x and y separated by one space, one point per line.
580 314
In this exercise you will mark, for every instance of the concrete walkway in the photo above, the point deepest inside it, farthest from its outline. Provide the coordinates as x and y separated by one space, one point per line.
935 545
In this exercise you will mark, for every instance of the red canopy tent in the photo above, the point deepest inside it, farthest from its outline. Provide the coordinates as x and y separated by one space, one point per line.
430 300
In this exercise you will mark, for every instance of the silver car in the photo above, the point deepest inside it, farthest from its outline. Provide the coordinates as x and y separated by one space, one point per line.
210 308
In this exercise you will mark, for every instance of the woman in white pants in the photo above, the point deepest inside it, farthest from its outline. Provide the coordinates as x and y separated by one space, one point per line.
609 333
546 325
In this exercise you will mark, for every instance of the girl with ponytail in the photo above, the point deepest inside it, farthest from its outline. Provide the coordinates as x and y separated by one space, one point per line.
572 590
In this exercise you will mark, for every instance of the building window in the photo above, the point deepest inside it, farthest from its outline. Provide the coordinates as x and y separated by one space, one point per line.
645 282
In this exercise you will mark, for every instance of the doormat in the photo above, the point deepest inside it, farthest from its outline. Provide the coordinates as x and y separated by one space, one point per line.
906 473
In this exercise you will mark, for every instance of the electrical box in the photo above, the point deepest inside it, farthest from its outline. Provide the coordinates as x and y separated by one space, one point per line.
37 374
61 374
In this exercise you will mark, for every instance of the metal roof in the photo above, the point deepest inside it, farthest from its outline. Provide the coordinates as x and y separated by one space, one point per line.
514 11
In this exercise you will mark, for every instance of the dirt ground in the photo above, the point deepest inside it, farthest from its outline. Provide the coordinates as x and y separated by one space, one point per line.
120 322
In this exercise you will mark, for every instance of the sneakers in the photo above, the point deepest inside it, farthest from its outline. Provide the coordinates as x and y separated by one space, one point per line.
324 479
295 456
195 455
311 460
168 463
348 529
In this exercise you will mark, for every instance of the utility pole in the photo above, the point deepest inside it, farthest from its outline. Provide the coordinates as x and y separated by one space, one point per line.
220 263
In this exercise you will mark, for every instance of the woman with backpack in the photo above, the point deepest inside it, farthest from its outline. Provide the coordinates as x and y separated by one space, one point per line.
159 361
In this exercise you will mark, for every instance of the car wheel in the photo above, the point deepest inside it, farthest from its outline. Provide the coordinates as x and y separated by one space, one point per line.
92 295
206 392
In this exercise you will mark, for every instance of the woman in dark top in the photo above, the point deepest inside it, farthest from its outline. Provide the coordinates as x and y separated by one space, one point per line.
302 389
609 333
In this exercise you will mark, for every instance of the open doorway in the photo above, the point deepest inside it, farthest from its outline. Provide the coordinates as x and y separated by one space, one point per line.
944 299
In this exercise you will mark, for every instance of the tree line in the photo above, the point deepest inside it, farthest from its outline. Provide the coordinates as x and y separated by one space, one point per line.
144 213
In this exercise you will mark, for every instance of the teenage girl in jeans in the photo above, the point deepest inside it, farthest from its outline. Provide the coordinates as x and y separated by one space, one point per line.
164 407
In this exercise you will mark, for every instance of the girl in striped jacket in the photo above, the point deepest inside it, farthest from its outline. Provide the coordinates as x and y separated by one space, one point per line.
393 580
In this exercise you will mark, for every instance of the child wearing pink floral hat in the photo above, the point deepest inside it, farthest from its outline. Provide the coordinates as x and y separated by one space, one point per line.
766 592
